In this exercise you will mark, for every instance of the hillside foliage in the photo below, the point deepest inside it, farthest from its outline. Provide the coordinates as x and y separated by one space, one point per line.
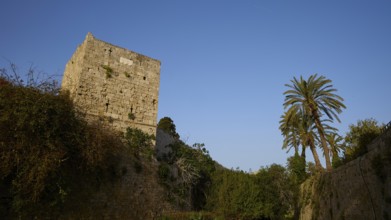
49 155
359 136
195 182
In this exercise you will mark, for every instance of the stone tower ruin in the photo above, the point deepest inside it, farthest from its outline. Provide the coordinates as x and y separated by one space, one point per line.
114 85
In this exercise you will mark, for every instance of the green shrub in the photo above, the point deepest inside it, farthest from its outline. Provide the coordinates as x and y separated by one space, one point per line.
167 125
359 137
239 195
139 142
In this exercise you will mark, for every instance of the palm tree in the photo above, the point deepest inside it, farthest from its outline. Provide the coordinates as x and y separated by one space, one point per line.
328 130
315 97
289 127
298 129
308 138
334 141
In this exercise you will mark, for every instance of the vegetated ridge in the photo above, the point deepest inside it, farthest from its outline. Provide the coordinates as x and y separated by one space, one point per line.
55 165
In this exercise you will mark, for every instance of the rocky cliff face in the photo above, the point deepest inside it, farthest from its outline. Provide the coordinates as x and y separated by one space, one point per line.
360 189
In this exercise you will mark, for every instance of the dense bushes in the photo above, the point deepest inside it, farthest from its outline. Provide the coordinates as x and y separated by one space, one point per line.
139 143
220 193
195 182
265 195
358 138
47 153
186 173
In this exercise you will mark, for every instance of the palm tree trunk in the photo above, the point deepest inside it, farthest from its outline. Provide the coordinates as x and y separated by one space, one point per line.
318 165
303 152
323 142
335 158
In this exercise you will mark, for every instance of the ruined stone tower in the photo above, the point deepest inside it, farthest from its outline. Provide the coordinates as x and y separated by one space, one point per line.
114 85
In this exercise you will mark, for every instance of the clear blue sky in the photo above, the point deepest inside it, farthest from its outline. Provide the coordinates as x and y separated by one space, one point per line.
224 63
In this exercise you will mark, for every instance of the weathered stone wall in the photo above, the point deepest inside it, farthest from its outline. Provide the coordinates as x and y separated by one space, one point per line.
360 189
114 85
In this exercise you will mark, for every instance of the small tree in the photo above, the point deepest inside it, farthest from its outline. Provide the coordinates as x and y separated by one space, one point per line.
359 136
336 147
139 142
167 125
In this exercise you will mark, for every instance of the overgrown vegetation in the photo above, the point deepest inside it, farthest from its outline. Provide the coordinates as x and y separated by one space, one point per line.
265 195
48 153
50 158
140 143
359 137
186 173
196 183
